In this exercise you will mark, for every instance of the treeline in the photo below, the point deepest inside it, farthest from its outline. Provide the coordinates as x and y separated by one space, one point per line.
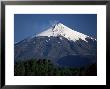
47 68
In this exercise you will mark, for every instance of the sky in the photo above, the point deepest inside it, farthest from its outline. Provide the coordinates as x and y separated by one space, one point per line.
27 25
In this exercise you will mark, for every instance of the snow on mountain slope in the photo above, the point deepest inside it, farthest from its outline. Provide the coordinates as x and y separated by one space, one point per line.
62 30
61 45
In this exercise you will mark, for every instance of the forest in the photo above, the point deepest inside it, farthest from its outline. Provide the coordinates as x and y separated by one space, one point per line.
44 67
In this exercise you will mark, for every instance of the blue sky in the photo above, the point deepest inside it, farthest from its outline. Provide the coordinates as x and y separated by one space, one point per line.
26 25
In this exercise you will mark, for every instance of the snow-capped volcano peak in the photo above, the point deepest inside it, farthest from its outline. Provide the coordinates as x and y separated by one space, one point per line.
62 30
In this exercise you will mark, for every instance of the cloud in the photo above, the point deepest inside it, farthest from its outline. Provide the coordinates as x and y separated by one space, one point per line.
47 25
53 22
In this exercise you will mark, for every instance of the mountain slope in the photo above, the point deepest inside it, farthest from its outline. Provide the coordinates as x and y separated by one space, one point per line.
57 43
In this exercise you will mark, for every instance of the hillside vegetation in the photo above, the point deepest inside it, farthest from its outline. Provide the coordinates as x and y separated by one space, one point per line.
44 67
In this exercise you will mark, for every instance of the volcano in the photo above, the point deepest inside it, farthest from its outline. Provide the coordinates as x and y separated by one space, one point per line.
60 44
